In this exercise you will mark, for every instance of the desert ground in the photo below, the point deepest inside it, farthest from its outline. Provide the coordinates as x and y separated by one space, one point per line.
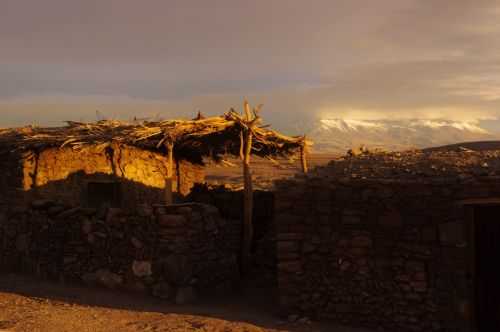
31 305
264 171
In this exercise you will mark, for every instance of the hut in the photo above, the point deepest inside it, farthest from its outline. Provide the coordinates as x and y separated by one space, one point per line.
123 164
78 202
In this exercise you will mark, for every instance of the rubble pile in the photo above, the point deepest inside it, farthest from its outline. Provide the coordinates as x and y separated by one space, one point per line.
417 165
171 251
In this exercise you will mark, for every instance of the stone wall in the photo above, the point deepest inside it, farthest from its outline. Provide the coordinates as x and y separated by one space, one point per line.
386 254
11 181
63 174
170 251
230 204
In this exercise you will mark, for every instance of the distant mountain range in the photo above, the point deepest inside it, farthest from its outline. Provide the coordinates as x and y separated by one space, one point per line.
339 135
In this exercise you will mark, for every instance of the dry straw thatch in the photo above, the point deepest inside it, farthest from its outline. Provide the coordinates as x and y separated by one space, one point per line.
192 139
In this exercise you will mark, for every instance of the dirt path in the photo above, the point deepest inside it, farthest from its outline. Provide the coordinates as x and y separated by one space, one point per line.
30 305
263 171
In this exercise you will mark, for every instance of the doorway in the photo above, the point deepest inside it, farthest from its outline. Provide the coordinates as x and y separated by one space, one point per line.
487 267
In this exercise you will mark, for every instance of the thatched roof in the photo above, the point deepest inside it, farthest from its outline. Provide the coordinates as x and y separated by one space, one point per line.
193 139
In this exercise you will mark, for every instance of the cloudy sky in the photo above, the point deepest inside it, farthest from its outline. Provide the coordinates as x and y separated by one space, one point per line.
361 59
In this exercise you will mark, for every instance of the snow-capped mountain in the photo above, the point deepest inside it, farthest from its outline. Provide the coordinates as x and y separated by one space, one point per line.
338 135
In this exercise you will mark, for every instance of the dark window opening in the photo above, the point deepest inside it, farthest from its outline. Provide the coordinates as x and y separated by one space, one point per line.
104 194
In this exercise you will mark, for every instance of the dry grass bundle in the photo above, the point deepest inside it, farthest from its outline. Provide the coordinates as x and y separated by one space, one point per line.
192 139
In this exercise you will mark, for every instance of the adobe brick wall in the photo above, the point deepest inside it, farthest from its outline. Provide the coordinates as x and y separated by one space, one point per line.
62 174
387 254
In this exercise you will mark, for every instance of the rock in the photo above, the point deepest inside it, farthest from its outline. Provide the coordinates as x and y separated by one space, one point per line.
136 243
68 213
420 276
108 279
163 290
141 268
351 219
429 234
177 269
356 151
101 235
89 278
88 211
113 215
41 204
391 219
287 246
209 209
185 295
22 242
344 265
452 233
86 226
361 241
10 230
160 210
304 320
308 248
55 210
185 210
291 267
210 225
144 210
171 220
69 259
195 217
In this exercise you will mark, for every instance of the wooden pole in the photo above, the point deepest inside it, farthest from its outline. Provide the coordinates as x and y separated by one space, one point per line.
170 173
247 205
247 191
303 156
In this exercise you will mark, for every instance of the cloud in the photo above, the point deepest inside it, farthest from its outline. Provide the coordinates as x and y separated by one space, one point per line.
356 59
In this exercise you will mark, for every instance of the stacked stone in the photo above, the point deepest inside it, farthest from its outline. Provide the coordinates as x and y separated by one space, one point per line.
11 181
416 165
230 205
13 246
194 255
390 255
167 250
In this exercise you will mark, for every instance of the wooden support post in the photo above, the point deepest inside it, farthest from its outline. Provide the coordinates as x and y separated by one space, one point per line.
247 139
170 173
303 156
247 206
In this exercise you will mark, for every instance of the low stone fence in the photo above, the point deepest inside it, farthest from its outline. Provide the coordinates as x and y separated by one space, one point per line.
388 255
170 251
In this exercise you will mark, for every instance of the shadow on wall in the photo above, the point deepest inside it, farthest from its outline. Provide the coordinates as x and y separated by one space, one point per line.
65 174
96 190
